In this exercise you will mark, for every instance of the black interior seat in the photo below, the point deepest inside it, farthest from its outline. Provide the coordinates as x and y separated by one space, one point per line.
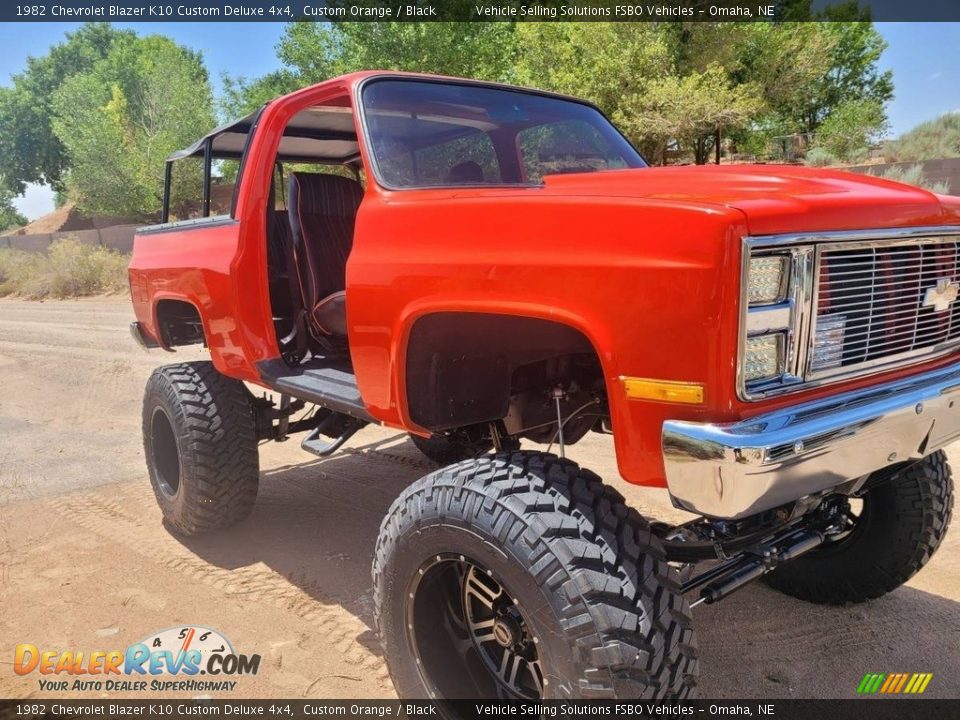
323 212
466 173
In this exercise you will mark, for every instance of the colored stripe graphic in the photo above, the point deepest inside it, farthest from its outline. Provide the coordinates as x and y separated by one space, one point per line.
903 680
912 683
894 683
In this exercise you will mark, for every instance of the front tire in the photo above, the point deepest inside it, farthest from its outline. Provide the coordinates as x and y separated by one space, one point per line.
902 522
524 576
200 441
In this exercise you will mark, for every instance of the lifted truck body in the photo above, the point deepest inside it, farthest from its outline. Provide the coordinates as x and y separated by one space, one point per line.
644 264
777 346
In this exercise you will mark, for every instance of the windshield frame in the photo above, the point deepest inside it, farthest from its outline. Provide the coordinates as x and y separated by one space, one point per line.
366 138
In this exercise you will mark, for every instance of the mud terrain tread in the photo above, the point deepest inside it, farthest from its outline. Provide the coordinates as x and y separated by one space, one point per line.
629 629
216 430
918 502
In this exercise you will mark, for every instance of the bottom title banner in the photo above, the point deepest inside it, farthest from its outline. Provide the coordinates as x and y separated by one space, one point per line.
471 709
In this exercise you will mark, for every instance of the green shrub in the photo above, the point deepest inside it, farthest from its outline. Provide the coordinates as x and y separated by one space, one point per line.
15 267
68 269
932 140
820 157
913 175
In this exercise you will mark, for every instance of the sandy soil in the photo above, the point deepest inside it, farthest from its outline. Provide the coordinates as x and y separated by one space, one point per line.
85 563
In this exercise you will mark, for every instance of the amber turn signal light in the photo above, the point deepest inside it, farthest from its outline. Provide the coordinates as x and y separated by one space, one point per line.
663 390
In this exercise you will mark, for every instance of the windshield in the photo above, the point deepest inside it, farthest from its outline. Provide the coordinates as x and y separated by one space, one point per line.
441 134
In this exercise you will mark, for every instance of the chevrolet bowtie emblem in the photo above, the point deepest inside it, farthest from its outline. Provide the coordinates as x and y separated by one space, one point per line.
942 295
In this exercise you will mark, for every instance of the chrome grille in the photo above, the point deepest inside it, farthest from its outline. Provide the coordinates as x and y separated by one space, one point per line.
881 303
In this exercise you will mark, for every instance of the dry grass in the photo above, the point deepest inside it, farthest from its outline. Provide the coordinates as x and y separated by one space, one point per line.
913 175
68 269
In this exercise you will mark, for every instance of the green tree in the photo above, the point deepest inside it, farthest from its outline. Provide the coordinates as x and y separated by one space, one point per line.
119 121
661 83
688 109
607 63
854 73
30 152
786 62
317 51
313 52
851 128
241 96
765 79
855 49
10 217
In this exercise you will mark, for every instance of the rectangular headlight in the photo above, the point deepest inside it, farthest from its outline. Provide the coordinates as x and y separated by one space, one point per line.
766 280
763 357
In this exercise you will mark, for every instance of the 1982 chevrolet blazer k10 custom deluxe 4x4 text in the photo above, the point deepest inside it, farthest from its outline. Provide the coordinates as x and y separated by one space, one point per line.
478 265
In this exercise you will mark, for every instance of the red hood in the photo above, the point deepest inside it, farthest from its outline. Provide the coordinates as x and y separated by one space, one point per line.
774 198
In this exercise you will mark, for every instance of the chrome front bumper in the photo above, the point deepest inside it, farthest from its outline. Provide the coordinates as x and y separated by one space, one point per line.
739 469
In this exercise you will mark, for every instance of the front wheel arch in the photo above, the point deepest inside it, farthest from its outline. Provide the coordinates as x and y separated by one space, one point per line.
459 366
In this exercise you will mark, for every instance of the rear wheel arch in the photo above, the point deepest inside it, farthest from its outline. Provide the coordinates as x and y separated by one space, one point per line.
460 366
178 322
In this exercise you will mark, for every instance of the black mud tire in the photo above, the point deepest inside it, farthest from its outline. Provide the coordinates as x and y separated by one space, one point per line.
447 451
200 442
585 568
901 524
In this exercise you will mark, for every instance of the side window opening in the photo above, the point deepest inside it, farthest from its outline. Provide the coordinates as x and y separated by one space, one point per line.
187 197
466 160
184 190
570 146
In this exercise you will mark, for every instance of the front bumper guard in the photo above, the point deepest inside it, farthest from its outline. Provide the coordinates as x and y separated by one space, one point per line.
739 469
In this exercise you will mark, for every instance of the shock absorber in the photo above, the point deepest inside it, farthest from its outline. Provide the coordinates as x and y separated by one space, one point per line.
722 581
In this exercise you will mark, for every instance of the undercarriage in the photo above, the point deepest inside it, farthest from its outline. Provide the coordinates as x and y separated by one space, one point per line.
508 571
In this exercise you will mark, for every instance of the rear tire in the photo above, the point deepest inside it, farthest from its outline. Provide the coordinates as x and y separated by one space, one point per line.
582 590
200 442
901 524
446 451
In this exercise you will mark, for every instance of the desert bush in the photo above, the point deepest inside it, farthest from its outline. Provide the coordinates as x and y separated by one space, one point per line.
913 175
820 157
15 267
68 269
932 140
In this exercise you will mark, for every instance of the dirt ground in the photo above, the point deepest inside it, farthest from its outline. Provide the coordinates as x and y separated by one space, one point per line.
85 563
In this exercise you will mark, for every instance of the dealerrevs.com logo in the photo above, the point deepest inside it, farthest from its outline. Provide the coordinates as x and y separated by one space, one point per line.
166 661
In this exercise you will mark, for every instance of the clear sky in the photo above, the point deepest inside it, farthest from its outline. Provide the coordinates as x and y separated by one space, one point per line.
923 56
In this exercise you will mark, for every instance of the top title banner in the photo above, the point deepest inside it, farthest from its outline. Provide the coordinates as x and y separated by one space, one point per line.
480 10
